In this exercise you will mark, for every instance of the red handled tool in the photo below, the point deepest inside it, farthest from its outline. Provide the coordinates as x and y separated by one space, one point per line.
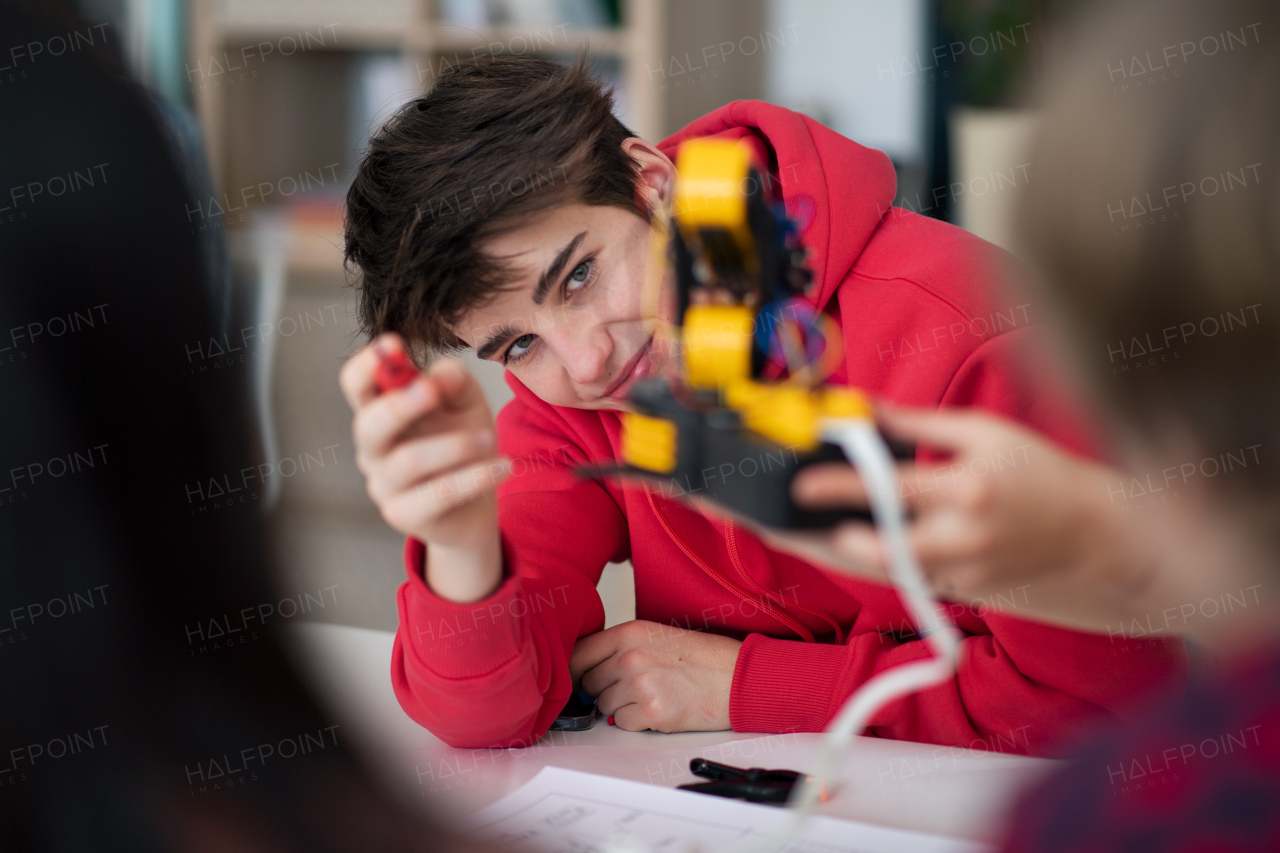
395 370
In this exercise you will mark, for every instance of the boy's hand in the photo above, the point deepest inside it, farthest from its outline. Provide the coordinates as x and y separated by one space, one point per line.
653 676
429 457
1009 515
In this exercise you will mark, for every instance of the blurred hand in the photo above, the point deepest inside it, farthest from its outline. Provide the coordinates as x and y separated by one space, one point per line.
1007 510
653 676
428 453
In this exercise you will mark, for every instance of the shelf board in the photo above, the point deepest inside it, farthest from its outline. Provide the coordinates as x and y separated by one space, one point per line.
315 247
437 38
441 37
348 36
343 24
308 245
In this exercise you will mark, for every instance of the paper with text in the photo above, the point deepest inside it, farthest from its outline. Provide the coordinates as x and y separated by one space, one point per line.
566 811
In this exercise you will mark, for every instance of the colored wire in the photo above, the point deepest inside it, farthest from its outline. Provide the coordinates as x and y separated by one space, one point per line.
806 344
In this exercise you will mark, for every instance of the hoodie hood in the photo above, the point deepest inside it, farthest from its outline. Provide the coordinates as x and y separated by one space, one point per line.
827 182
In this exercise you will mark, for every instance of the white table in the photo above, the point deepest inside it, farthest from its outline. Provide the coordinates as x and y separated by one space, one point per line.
946 791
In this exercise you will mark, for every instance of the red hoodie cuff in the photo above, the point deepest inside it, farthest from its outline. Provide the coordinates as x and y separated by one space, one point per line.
784 685
456 640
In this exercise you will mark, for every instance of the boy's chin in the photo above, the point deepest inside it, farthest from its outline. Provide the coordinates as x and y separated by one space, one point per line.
606 404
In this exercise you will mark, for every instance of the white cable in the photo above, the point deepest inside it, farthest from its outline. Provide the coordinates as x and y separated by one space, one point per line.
864 447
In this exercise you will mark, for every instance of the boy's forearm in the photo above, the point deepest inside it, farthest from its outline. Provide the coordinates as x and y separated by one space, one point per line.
465 575
1025 678
494 672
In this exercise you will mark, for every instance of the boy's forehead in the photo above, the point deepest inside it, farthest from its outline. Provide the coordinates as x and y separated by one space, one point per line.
528 251
503 309
543 232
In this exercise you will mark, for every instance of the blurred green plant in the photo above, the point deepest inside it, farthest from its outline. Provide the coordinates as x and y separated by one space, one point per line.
614 11
1002 42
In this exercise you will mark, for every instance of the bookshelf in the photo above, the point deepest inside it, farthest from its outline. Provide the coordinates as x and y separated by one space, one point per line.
265 76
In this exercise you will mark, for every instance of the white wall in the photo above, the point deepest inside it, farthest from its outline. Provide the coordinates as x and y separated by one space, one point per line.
856 67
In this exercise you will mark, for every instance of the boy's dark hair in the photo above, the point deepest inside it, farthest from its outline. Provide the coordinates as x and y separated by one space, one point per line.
493 143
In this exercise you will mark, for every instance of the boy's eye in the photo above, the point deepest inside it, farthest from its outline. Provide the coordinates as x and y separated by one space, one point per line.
576 280
519 347
580 275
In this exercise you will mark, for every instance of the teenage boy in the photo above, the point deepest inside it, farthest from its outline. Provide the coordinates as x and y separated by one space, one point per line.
508 212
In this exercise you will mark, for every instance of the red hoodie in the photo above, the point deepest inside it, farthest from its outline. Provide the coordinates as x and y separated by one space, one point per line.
923 326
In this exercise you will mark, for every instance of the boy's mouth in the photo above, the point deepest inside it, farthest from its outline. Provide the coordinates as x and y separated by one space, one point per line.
640 367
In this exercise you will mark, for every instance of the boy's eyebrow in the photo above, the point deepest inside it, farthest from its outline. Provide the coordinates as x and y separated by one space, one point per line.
552 272
545 283
494 343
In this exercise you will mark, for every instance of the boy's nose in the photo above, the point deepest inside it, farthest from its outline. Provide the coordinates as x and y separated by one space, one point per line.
585 349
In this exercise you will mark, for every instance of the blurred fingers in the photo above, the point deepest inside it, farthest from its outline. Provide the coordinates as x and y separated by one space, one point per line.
422 504
829 485
381 421
356 377
457 387
422 458
956 430
946 535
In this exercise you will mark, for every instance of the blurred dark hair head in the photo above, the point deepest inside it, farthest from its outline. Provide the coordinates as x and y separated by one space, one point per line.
1153 219
496 141
103 566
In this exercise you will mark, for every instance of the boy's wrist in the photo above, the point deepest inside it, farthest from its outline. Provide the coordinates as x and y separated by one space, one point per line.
464 574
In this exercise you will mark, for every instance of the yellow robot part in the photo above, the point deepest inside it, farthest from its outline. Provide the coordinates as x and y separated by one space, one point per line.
649 443
791 414
710 192
717 344
846 403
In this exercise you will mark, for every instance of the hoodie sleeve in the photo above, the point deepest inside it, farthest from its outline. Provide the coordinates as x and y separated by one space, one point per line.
1019 685
495 673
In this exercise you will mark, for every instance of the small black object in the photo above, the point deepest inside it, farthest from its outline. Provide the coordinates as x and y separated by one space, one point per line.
578 714
711 770
755 784
717 457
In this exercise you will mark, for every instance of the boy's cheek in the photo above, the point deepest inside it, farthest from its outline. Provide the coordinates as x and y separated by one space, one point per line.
546 387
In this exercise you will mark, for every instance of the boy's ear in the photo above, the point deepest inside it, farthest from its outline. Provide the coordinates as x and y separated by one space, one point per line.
656 176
